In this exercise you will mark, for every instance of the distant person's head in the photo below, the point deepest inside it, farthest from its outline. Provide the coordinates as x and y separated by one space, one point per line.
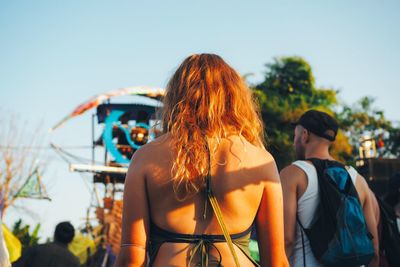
393 190
314 129
64 232
206 97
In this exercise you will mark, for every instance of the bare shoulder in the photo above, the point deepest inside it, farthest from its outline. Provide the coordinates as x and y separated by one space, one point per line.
362 181
256 161
263 155
148 154
361 185
362 189
262 160
292 174
147 151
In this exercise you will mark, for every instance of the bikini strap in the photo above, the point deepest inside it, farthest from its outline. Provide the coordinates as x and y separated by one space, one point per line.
217 209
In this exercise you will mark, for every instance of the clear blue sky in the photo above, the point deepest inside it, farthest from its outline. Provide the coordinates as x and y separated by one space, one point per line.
56 54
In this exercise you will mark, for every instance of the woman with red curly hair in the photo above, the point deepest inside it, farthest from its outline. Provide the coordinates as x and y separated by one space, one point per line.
209 173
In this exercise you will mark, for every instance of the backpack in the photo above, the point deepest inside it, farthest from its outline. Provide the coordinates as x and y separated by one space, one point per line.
389 244
338 233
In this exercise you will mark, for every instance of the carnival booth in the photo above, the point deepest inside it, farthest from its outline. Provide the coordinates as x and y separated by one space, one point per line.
128 118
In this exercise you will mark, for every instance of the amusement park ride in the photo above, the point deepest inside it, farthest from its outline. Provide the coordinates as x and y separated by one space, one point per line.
126 127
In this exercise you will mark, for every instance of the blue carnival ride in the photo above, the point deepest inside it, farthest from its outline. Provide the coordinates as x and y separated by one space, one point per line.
126 126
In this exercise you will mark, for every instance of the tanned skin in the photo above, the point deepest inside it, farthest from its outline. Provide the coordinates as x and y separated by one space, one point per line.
246 183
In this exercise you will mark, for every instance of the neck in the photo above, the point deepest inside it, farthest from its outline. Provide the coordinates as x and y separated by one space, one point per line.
319 152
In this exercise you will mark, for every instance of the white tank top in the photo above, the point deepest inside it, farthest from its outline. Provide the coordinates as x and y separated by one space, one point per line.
306 206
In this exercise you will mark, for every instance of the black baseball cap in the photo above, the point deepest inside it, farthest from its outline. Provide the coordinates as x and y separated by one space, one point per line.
319 123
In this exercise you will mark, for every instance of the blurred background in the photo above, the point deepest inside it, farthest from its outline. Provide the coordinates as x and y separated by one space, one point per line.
338 56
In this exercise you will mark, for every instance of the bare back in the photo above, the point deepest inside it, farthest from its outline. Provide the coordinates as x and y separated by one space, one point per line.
244 177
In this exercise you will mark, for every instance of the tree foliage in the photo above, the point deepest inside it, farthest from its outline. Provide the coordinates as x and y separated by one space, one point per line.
23 234
362 119
288 90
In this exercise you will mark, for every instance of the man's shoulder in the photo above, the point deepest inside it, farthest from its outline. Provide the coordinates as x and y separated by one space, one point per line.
294 169
63 253
293 174
49 246
43 254
39 247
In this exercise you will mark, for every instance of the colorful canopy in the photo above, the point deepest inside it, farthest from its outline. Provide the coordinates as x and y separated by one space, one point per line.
98 99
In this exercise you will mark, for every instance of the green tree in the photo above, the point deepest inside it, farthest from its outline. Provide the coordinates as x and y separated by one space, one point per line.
22 233
362 119
287 91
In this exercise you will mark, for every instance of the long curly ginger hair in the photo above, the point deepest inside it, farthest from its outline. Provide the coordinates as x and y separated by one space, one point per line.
206 98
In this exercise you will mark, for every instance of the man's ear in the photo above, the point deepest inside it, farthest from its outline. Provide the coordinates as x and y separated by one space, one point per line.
306 136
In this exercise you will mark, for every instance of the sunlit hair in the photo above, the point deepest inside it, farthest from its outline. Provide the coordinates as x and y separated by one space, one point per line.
206 98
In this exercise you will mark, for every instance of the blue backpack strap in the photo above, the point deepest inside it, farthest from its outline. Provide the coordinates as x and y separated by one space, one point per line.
321 165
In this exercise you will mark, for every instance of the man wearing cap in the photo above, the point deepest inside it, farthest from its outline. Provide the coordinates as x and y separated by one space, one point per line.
314 133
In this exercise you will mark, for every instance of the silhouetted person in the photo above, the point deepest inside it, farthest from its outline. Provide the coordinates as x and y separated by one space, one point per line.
55 254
